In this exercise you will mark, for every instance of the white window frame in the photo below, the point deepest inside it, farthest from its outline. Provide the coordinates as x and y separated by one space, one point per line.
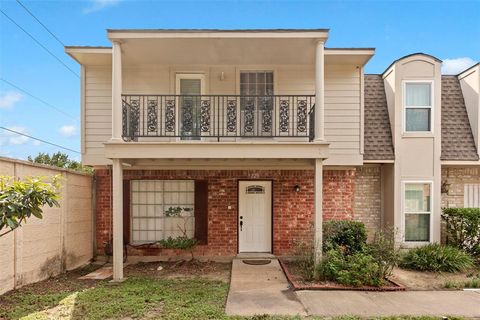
405 107
416 243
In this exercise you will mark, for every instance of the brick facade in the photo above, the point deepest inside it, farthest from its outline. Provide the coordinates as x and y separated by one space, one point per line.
368 200
457 177
292 211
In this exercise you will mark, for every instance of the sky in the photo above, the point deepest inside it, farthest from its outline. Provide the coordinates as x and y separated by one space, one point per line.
40 89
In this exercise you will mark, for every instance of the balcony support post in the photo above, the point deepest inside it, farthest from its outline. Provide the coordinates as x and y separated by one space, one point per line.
319 91
117 215
318 216
116 92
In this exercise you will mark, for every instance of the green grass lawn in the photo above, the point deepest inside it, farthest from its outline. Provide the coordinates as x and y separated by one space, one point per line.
139 297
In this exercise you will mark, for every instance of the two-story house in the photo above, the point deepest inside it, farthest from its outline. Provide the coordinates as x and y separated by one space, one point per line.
248 139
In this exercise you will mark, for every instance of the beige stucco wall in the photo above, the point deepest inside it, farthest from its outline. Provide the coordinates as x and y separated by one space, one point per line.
470 83
62 240
457 177
342 99
417 154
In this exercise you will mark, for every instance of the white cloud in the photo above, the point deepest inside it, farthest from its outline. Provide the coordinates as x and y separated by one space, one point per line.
456 65
97 5
68 130
11 138
9 99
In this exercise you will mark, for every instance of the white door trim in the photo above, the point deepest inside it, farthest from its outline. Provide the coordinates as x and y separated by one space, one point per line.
255 234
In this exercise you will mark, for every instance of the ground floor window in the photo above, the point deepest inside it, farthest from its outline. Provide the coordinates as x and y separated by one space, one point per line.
471 196
161 209
417 209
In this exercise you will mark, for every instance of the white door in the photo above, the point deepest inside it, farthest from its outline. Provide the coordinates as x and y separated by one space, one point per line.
255 216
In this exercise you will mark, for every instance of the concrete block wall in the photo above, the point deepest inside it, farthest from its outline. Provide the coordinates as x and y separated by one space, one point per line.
61 241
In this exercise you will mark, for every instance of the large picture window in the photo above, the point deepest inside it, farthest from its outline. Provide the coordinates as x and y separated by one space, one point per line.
155 214
417 208
418 106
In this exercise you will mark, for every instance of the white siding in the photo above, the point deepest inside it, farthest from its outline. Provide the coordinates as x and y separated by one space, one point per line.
342 99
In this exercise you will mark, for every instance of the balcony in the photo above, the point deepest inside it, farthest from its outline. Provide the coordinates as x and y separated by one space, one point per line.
217 117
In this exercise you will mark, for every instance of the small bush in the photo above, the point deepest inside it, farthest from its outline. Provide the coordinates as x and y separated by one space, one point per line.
350 235
463 229
384 252
354 270
181 242
437 258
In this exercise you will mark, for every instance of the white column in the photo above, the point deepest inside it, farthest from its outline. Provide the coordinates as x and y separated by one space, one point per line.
117 214
116 91
318 208
319 91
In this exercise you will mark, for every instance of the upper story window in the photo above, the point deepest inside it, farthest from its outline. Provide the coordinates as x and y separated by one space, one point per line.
418 106
256 83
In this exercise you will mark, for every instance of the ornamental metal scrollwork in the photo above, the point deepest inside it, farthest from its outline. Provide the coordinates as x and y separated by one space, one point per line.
170 116
231 115
267 115
152 117
187 115
134 117
284 115
124 119
205 116
249 116
302 116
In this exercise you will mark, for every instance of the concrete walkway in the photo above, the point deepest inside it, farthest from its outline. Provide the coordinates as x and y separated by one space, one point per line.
372 304
261 289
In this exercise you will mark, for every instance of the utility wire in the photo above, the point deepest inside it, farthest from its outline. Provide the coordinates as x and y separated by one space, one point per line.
41 140
44 26
41 100
41 45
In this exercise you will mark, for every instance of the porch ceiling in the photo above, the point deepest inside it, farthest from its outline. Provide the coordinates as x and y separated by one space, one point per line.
243 51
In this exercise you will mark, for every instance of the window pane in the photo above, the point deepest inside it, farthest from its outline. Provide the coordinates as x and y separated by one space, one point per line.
418 119
417 227
256 83
417 197
417 95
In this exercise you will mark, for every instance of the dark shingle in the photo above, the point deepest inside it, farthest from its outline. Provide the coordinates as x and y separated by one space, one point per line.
378 135
457 138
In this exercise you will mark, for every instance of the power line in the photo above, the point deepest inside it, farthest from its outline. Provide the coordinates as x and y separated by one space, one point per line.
41 140
44 26
41 100
41 45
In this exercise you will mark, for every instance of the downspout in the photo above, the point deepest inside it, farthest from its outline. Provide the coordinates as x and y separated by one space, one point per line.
94 216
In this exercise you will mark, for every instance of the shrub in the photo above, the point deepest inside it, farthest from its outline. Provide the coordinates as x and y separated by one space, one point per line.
355 270
305 262
463 228
350 235
437 258
384 253
181 242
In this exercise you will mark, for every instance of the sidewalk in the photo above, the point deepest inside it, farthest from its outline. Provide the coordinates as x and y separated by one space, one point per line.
372 304
263 289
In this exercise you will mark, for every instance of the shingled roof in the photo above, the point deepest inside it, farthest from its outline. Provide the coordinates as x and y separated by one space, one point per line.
457 138
378 135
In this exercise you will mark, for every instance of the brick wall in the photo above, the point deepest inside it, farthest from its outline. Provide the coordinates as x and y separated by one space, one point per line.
457 177
292 211
292 218
367 201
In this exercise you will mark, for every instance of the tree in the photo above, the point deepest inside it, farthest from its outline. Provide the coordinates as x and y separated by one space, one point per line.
20 199
60 160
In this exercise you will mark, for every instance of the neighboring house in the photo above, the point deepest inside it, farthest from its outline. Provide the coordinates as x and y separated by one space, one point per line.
263 134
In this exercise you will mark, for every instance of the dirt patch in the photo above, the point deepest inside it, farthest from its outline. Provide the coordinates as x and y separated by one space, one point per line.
416 280
181 269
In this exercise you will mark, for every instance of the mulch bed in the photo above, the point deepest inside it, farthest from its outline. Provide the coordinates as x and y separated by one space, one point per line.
298 284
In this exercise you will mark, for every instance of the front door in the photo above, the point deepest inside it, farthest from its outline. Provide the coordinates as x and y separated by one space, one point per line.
190 87
255 216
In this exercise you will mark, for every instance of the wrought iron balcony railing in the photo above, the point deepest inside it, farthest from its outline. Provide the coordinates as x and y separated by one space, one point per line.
194 117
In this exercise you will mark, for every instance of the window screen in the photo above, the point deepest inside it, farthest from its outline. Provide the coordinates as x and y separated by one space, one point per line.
151 199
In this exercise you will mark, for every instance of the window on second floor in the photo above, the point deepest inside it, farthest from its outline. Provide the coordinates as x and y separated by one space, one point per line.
418 106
